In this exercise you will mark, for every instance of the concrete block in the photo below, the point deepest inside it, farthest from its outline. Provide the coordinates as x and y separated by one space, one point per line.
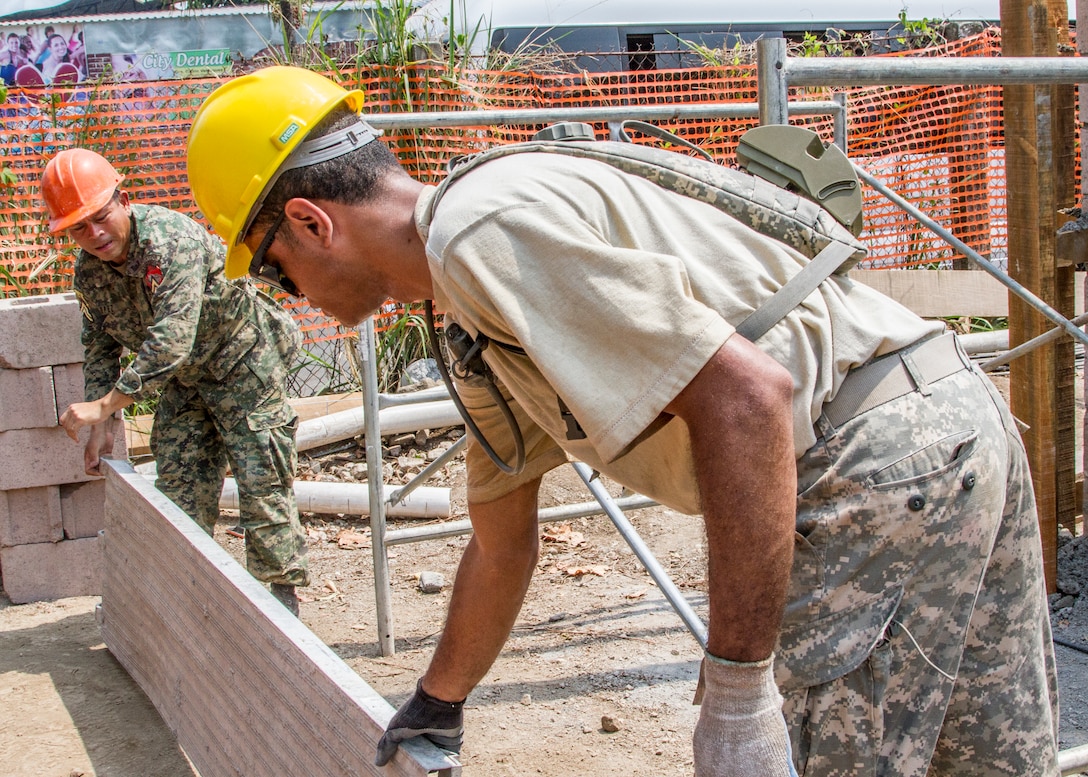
67 385
41 457
27 399
39 331
32 515
120 442
83 509
52 570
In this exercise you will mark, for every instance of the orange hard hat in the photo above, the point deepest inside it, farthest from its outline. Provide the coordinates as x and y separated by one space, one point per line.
77 183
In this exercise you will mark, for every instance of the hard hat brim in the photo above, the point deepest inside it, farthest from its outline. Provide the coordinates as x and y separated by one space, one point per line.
86 211
238 260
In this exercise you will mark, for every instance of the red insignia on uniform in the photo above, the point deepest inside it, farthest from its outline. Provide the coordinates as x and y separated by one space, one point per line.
152 278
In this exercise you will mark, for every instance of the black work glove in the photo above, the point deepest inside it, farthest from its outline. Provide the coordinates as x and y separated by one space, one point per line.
422 715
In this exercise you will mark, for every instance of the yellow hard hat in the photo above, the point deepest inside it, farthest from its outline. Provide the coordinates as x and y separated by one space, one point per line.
241 138
77 183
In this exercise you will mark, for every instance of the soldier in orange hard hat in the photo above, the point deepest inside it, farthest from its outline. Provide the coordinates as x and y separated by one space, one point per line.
214 353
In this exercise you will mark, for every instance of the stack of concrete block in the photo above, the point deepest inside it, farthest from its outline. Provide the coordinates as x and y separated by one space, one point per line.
51 511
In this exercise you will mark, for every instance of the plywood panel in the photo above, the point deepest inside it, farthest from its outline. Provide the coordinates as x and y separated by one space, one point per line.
939 293
247 688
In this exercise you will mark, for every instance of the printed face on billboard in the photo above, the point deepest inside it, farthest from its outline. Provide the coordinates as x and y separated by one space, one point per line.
44 54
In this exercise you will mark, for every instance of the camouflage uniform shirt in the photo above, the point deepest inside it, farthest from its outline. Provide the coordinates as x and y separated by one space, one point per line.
217 351
169 304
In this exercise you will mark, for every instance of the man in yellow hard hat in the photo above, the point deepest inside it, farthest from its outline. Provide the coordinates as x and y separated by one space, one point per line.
872 540
216 351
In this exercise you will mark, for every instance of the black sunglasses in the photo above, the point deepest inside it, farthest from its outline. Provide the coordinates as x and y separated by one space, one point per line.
266 273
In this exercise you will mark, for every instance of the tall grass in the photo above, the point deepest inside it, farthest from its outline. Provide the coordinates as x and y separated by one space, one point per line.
401 341
9 286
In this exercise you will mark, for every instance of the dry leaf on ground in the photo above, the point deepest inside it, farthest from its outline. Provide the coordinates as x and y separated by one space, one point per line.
352 540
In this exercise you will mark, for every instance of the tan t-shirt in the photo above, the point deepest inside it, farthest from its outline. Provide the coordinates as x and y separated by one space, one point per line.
619 291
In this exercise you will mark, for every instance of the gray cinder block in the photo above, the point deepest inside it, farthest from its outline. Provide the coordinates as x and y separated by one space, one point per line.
52 570
27 398
41 457
39 331
82 508
31 515
67 385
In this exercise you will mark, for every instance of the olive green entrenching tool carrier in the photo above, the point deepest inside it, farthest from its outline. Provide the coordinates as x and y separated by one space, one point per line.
795 189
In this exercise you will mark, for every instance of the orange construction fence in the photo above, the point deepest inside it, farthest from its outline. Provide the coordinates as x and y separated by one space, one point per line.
939 146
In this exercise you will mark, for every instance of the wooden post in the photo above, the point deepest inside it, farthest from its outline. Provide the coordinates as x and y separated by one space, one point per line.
1082 114
1038 148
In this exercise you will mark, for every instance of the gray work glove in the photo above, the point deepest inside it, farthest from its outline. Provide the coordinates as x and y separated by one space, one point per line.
422 715
741 731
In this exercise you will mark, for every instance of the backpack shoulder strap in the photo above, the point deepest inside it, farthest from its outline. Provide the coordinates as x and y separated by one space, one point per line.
795 290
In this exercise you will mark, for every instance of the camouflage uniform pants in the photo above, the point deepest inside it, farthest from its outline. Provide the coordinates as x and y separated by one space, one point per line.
193 441
917 639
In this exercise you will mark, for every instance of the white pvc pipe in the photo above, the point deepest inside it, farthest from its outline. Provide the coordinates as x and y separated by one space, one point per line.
1073 761
351 498
985 342
392 420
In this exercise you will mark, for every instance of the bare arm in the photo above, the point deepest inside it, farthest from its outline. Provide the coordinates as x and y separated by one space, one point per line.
82 414
740 420
488 592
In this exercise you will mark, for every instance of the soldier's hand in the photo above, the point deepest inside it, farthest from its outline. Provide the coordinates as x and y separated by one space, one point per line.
99 445
79 415
422 715
741 730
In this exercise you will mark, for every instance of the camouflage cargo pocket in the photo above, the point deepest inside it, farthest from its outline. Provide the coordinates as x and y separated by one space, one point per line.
821 650
834 674
233 351
273 412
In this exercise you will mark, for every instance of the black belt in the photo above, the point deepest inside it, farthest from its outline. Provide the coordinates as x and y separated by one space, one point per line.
894 375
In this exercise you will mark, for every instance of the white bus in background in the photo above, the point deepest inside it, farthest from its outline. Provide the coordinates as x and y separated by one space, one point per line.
617 35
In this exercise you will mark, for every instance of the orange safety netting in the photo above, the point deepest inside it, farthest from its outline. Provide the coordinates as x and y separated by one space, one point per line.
940 147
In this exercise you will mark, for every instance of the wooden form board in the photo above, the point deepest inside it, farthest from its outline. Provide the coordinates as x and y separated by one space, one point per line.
245 686
937 293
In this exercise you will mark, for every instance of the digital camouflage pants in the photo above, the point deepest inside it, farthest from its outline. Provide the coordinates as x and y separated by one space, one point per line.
194 439
917 639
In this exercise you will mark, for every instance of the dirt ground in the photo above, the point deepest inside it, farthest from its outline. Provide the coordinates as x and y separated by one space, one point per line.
597 678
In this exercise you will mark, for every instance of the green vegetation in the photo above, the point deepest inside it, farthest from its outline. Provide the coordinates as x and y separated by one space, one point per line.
9 286
403 342
832 42
920 33
970 324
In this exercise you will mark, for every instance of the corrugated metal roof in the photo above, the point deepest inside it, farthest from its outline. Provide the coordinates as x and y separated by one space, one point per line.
250 10
127 17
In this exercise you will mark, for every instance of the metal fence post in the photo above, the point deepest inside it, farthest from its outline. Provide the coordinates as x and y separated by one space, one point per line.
839 120
771 81
383 594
